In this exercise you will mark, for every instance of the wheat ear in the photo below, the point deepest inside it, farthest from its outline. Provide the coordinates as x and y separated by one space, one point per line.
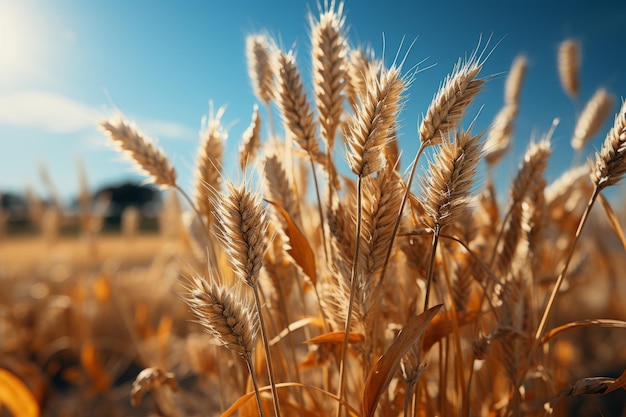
329 55
448 105
226 314
444 113
329 50
368 131
447 188
609 167
569 66
499 137
299 119
359 64
610 163
529 175
242 229
148 159
591 119
209 163
514 81
258 56
251 140
259 67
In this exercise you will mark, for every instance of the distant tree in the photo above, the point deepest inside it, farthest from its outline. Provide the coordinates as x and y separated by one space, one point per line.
146 198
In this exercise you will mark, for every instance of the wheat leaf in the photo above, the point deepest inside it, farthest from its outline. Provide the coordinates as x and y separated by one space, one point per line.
16 396
380 376
613 220
299 248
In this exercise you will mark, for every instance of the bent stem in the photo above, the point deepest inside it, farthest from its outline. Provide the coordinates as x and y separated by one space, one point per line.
266 346
353 278
555 290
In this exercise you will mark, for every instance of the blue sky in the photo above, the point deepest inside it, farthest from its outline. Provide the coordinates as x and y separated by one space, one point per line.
66 63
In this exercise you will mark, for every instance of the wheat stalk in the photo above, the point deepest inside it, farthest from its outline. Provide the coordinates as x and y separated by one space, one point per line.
299 119
448 105
259 66
529 177
242 229
226 314
329 50
569 66
444 113
514 81
148 159
591 119
610 165
367 132
447 188
209 163
499 137
251 140
294 105
373 124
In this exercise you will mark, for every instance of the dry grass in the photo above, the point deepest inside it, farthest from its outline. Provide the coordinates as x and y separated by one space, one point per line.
339 289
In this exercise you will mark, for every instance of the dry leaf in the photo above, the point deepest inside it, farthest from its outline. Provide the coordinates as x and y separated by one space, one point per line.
148 379
16 396
337 337
618 324
102 288
441 326
613 220
299 248
380 376
247 397
298 324
591 386
92 364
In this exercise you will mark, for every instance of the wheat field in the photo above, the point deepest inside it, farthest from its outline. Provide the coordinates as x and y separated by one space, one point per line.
330 280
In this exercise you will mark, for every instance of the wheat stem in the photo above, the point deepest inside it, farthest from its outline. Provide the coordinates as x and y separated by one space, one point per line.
266 346
211 255
431 264
408 395
319 208
353 281
257 393
557 286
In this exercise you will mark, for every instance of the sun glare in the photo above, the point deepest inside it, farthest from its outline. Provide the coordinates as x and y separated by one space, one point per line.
18 49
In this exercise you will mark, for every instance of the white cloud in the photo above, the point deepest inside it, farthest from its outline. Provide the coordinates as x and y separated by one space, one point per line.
166 129
56 113
47 111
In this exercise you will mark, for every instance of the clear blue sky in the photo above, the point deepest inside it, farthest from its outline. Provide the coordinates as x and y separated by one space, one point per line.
66 63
